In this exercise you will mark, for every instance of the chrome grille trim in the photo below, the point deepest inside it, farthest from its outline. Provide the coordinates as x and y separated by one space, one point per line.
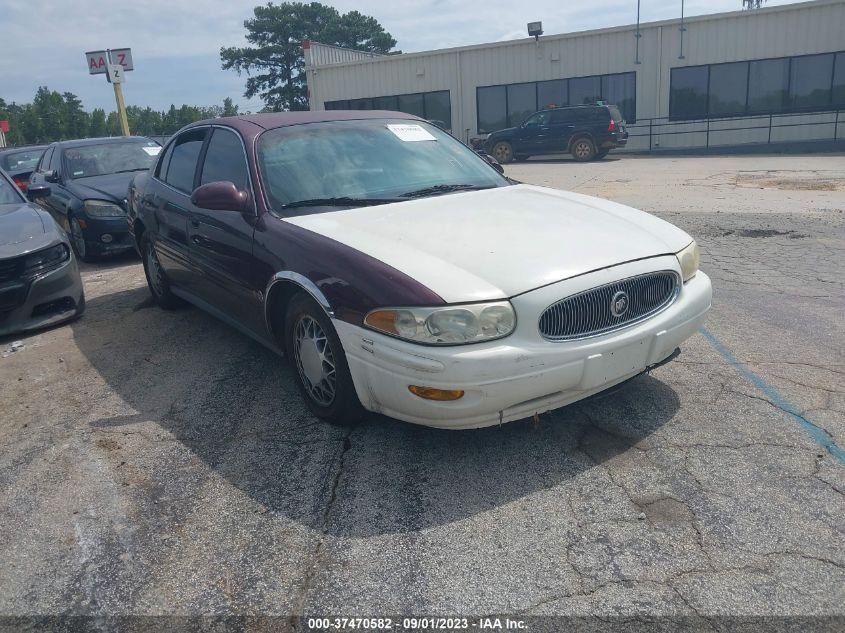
588 314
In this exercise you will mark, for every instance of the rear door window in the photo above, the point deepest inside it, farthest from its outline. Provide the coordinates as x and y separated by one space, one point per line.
561 117
183 161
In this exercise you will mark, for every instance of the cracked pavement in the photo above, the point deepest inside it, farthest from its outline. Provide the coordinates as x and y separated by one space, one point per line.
161 463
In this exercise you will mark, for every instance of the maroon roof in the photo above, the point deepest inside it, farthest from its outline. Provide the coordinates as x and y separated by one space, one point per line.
280 119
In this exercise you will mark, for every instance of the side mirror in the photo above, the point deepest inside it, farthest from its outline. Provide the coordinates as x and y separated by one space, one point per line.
51 176
36 191
492 162
220 196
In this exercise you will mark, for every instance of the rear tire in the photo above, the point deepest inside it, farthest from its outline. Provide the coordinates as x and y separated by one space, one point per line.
156 279
583 149
317 356
503 152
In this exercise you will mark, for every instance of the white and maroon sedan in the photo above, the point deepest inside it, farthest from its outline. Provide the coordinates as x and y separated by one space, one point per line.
403 274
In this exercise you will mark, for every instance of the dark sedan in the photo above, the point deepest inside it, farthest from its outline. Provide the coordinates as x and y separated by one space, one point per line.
89 180
19 162
39 278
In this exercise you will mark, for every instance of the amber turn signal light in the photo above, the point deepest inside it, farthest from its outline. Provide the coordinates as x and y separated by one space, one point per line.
430 393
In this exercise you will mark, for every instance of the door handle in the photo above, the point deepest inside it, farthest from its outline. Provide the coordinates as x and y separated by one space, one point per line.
195 223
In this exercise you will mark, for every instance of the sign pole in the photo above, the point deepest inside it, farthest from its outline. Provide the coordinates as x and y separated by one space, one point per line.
121 105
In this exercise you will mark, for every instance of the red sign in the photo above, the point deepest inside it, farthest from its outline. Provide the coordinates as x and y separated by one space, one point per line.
4 127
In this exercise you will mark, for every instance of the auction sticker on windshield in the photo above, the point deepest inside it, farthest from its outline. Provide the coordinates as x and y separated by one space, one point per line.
411 132
152 151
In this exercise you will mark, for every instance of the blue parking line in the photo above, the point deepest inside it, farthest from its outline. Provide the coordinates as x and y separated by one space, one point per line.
817 434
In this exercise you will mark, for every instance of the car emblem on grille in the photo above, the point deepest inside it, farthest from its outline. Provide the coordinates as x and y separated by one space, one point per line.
619 303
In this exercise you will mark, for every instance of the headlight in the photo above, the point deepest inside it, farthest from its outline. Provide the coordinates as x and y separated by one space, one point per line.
102 209
689 259
455 325
47 258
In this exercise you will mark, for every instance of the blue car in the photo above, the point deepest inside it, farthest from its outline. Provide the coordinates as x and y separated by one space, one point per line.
88 181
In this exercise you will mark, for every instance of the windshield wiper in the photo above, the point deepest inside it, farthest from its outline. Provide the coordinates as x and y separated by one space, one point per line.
429 191
342 201
124 171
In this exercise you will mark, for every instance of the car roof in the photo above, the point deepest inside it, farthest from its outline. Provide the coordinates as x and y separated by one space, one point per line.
268 120
82 142
21 148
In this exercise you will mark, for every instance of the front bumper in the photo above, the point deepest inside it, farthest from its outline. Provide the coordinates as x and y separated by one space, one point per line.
50 298
522 374
118 239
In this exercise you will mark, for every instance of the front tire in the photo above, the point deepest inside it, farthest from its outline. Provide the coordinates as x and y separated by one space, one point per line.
318 358
503 152
156 279
77 240
583 149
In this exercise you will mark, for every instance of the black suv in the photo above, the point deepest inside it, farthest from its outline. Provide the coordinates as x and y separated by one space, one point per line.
586 132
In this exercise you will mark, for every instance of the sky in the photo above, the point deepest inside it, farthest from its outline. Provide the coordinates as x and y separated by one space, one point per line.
175 43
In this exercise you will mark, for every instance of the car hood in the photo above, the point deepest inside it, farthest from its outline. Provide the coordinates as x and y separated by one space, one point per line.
23 229
111 187
500 242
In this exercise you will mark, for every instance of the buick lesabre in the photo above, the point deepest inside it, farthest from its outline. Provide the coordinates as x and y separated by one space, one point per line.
402 274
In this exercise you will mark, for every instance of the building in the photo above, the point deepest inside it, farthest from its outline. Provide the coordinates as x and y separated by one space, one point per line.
768 75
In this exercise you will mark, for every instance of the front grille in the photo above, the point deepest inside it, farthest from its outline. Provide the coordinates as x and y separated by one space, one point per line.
10 269
589 313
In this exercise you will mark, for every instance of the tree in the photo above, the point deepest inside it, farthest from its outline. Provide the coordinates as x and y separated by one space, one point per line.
277 31
76 119
98 123
229 109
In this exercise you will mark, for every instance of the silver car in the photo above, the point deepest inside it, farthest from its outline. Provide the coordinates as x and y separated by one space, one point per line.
39 277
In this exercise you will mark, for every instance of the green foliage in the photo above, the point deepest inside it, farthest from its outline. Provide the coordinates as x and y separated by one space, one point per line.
54 117
277 32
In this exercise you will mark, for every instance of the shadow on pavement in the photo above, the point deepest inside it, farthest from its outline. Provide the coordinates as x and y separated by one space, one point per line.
236 406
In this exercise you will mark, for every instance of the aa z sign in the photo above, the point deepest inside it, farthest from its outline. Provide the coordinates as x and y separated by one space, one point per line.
98 61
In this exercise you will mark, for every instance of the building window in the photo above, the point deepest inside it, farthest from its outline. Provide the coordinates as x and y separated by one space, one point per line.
839 80
621 90
728 89
763 86
688 92
551 94
432 106
809 81
522 102
492 108
767 85
584 90
499 107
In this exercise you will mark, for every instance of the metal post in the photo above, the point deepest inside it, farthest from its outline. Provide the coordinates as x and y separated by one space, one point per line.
121 105
770 130
650 121
638 35
707 141
682 29
836 126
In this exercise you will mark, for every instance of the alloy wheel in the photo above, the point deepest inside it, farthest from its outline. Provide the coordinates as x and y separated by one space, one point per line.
78 238
154 271
582 149
315 361
503 152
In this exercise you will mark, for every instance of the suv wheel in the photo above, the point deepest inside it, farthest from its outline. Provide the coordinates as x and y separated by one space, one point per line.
503 152
156 279
320 362
583 149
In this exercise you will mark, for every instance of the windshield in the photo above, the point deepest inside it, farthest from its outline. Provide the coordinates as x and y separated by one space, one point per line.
372 160
9 194
110 158
21 161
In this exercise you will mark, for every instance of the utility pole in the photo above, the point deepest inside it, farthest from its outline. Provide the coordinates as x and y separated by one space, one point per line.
115 77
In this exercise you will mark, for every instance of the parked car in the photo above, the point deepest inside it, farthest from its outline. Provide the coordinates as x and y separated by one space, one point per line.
403 274
39 278
19 162
89 180
587 132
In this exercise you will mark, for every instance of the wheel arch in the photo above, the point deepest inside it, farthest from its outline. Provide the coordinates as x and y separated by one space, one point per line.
280 290
579 135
